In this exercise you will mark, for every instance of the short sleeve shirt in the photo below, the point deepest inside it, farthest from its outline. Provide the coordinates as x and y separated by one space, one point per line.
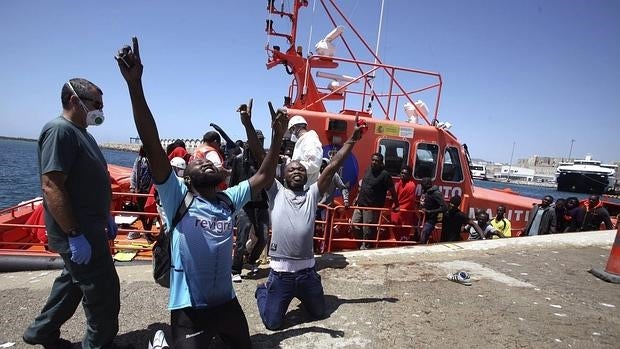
374 187
70 149
292 221
201 245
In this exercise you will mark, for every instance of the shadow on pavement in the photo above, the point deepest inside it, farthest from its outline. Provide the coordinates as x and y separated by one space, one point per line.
272 340
331 260
332 303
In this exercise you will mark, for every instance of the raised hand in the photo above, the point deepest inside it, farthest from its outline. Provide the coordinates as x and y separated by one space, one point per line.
245 112
360 128
129 61
279 119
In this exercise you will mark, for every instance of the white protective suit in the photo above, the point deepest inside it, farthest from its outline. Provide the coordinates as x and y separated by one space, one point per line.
309 152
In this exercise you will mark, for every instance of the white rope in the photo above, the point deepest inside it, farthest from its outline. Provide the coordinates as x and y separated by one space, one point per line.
372 82
305 87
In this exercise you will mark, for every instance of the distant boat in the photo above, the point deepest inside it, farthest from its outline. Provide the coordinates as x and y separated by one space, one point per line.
479 171
586 176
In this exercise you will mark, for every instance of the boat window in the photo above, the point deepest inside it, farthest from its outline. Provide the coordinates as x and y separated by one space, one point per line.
395 154
451 170
425 160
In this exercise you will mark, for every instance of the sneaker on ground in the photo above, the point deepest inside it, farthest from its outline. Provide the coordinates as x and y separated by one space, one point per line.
462 277
236 277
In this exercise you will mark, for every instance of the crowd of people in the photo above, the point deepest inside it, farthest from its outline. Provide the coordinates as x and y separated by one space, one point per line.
242 188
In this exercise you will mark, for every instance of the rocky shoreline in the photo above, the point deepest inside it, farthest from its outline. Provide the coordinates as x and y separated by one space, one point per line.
121 146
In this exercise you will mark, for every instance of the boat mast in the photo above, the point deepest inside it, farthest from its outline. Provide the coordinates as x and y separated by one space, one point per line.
372 81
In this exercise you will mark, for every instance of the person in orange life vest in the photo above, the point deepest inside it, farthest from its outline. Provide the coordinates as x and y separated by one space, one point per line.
405 190
595 215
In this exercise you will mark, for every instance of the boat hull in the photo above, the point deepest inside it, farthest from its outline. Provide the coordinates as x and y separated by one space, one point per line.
579 182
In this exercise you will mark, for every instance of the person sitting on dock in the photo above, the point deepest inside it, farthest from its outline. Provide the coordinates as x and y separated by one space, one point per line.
485 229
432 206
542 219
202 300
293 210
501 223
596 214
453 221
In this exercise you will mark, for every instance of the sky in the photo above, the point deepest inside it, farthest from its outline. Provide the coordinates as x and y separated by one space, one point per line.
533 74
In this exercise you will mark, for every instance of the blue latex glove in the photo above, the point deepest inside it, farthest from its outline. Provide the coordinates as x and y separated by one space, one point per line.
80 249
112 228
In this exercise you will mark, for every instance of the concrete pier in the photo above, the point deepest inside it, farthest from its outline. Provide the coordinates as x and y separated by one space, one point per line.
532 292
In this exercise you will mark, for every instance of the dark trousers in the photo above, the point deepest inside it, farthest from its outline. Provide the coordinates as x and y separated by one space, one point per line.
274 297
194 328
427 230
366 217
96 285
258 218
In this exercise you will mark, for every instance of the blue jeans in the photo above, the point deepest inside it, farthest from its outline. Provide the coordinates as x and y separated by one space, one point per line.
274 297
427 230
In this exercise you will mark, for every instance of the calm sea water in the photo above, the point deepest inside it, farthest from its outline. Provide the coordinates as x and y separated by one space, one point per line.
19 180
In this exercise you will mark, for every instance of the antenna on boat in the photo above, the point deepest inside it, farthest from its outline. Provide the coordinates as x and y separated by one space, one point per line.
372 81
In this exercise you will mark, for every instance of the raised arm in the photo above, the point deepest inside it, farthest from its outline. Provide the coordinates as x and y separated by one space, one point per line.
130 65
266 173
326 176
256 149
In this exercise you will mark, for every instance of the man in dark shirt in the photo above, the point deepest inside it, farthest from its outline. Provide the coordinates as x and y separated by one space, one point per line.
596 214
453 221
255 214
433 205
76 196
377 181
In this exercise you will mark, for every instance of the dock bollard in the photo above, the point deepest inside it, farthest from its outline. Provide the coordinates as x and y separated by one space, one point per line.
612 270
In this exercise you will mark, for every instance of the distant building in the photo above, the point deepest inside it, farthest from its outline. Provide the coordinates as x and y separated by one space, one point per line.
515 173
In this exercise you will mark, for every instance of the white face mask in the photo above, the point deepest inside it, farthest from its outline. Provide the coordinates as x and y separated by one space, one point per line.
293 137
93 117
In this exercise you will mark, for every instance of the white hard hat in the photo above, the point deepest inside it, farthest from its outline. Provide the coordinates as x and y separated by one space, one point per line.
178 163
296 120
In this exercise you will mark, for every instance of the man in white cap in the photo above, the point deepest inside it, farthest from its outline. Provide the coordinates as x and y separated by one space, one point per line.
308 148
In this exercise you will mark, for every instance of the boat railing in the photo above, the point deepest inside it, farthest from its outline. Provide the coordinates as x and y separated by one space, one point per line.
360 91
32 204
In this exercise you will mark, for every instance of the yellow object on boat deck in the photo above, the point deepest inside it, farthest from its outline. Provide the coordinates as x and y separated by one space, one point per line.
125 255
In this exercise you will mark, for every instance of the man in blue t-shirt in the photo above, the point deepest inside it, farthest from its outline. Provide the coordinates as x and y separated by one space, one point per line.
292 211
202 300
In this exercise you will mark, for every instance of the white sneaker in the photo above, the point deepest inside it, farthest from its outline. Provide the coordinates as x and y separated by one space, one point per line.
159 341
461 277
236 277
